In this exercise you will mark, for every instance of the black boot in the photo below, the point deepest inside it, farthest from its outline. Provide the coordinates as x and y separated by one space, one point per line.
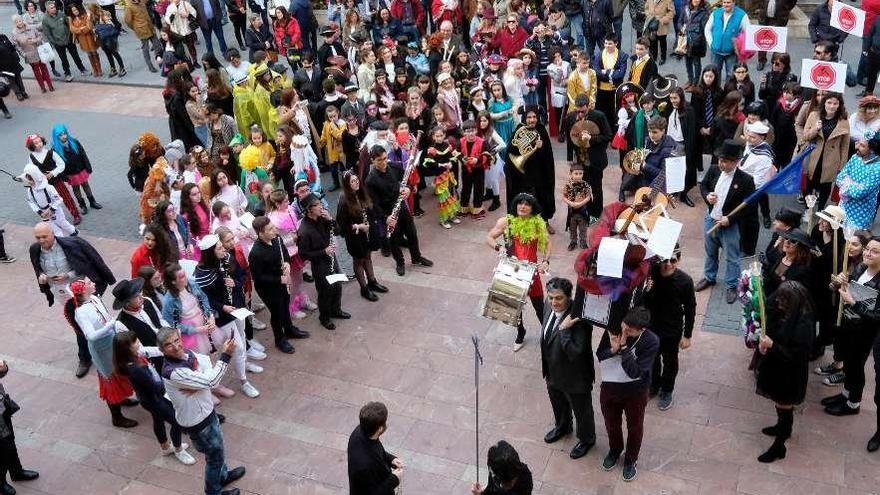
496 203
367 294
119 420
82 206
377 287
94 203
783 432
489 195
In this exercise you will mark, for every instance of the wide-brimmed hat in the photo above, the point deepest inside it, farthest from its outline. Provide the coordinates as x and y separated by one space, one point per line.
526 51
125 290
628 88
798 236
664 86
834 215
730 150
868 101
489 14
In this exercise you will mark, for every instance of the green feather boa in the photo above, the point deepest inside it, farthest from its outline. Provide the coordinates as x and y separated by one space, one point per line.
529 229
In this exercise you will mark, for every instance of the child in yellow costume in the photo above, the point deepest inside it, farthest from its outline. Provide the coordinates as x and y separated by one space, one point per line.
253 172
442 158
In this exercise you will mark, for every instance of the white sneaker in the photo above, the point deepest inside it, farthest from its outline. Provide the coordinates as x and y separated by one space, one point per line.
253 368
255 354
455 220
311 305
446 225
299 315
518 345
257 307
249 390
184 457
170 450
255 344
257 324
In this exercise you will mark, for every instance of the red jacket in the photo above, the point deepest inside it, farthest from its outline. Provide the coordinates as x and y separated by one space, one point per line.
872 9
507 43
242 261
291 31
143 257
418 12
453 16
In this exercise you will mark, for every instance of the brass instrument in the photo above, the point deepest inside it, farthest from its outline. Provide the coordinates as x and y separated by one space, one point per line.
634 161
525 140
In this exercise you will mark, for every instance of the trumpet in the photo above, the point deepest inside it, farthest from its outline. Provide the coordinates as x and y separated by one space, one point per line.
525 139
410 166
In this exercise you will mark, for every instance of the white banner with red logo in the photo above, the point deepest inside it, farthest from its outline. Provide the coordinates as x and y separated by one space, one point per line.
848 19
766 38
829 76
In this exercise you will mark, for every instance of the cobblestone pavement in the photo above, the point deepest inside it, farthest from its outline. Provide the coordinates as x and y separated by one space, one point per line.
412 350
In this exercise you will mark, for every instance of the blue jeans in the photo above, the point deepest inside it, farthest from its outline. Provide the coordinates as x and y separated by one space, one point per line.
215 25
209 441
203 134
679 15
726 238
694 66
725 61
577 30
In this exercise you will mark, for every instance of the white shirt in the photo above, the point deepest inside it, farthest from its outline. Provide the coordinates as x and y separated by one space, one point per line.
722 187
191 410
673 128
144 317
236 73
865 277
556 319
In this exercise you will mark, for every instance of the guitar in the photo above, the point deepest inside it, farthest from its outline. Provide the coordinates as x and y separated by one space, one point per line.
649 203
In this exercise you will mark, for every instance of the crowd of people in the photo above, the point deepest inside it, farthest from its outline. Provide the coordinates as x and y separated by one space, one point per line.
406 101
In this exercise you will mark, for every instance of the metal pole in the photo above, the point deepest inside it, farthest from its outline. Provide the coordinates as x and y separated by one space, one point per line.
478 360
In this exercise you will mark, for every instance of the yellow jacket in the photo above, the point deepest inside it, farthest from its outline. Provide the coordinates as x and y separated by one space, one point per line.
331 140
575 86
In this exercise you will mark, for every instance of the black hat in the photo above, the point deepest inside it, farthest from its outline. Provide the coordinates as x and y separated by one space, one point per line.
309 200
125 290
788 217
798 236
730 150
328 32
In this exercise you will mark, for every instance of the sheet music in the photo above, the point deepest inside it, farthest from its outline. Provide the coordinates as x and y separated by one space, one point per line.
862 293
597 308
675 172
609 262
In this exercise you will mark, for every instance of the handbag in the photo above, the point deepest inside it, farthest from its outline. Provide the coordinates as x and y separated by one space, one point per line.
652 28
681 45
46 52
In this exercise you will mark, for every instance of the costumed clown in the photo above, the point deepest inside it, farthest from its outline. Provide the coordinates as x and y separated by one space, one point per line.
525 238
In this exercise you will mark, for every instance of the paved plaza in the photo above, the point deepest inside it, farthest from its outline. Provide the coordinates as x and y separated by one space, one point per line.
412 350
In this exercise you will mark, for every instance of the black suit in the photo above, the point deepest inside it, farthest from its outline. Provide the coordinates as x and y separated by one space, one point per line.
310 88
742 186
567 367
728 237
369 466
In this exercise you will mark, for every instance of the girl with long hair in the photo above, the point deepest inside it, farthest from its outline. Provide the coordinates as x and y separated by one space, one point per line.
153 251
223 190
153 287
355 214
706 95
283 216
77 167
501 109
827 128
493 140
740 81
82 27
196 211
175 227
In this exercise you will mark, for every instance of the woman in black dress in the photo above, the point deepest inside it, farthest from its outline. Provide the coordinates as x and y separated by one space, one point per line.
355 214
795 264
784 366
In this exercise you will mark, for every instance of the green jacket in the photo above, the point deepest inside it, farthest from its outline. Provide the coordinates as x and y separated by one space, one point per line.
55 29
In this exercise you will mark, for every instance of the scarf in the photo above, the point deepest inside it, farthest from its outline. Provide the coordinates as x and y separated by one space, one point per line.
528 229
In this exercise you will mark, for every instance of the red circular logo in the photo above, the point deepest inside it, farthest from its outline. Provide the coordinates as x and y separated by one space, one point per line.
847 18
766 39
823 76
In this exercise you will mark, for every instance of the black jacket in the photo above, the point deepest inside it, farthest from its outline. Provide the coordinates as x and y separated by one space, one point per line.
566 356
742 186
309 88
820 26
672 303
637 359
150 391
867 315
82 258
369 466
649 73
144 333
312 239
256 40
265 262
597 19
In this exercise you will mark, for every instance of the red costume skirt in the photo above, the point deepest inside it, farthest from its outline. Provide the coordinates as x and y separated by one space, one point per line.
114 389
78 178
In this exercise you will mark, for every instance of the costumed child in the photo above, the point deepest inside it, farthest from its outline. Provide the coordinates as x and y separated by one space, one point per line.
77 167
442 158
476 102
577 194
44 199
155 191
305 164
253 175
636 137
476 159
243 104
417 60
331 142
398 158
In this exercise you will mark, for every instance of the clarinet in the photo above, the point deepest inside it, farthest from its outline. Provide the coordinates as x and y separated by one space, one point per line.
225 270
410 166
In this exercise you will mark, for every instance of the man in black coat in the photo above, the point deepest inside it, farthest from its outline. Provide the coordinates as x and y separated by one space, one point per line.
372 470
724 187
597 153
567 367
57 261
315 240
307 79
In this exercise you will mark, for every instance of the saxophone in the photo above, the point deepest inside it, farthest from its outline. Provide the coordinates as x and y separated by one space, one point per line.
525 140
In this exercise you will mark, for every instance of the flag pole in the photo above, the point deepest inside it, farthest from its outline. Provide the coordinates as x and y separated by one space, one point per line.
735 210
478 360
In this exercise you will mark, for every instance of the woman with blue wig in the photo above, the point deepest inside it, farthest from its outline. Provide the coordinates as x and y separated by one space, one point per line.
77 168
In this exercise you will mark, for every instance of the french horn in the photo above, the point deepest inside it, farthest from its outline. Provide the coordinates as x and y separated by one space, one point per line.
525 140
634 161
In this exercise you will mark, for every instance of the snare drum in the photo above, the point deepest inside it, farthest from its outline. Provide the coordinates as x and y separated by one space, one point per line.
510 286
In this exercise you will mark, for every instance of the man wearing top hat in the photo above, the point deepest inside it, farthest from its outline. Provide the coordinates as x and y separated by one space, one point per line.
331 47
139 313
723 188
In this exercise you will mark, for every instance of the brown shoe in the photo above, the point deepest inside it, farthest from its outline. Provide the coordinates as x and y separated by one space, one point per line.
702 285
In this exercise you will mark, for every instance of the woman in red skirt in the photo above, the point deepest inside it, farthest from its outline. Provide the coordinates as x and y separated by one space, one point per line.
77 167
99 327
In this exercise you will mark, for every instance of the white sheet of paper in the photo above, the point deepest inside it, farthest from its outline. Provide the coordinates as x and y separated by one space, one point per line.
675 170
247 220
336 277
848 19
766 38
664 236
189 266
596 308
609 263
241 313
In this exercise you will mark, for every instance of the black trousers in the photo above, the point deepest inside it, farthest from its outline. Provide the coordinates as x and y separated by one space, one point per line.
9 461
594 179
277 301
873 68
564 404
877 379
472 182
65 64
605 103
538 306
406 227
858 348
162 413
329 295
749 228
666 365
660 42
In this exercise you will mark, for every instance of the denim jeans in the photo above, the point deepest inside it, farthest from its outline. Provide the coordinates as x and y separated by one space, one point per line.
577 29
694 66
209 441
725 61
215 25
726 238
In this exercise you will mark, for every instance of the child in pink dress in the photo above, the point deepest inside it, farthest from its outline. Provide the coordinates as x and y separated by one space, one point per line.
285 219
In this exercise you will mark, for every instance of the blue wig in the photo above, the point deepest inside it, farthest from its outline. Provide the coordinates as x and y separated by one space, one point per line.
57 146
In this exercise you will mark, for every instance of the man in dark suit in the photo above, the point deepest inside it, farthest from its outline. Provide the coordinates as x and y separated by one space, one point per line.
307 79
57 261
724 187
372 470
211 22
567 366
597 153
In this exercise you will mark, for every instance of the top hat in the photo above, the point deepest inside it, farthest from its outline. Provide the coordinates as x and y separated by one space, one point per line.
125 290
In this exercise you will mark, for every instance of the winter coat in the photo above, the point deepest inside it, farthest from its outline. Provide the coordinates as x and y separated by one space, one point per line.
597 19
137 17
27 40
179 16
663 11
84 33
820 26
832 151
55 29
696 38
